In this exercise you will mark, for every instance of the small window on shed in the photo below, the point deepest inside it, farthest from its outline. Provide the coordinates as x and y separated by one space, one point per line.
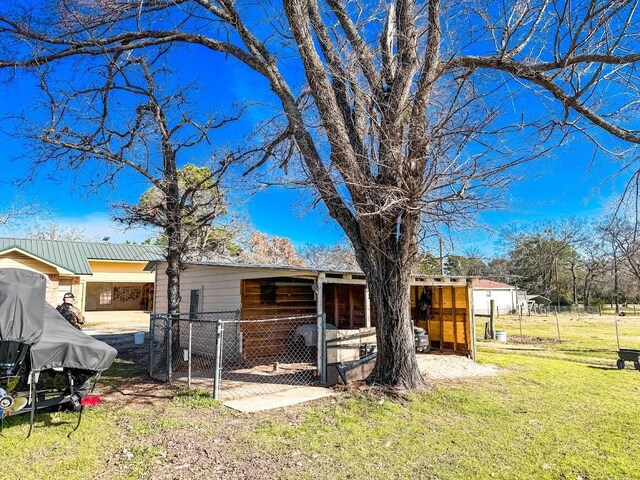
267 293
488 293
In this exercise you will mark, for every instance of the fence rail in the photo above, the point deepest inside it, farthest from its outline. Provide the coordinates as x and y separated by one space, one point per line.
540 309
233 357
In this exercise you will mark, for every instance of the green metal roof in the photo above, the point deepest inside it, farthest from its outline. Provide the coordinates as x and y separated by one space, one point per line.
75 256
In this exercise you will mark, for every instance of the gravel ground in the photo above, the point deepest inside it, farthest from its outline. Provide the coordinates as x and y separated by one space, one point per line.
443 367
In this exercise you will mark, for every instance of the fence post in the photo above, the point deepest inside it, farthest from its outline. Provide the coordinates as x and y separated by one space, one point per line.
322 348
492 319
217 367
169 347
189 359
520 318
151 337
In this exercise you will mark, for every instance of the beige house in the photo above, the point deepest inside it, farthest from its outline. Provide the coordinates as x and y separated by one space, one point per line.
102 276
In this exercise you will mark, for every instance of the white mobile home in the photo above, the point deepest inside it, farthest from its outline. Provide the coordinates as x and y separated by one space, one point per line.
508 299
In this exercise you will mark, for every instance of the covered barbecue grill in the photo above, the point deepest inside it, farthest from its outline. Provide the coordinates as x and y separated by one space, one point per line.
44 360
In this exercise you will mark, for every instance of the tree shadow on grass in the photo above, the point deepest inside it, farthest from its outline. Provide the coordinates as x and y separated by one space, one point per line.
602 367
42 419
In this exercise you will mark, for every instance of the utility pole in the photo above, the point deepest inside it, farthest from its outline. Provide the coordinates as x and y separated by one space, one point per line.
557 298
555 261
615 278
441 258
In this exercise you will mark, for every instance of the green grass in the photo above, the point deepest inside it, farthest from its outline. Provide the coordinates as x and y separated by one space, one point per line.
543 419
48 453
585 338
556 411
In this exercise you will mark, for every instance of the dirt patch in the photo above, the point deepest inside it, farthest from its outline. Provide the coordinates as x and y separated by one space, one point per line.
139 391
526 340
126 383
127 348
200 443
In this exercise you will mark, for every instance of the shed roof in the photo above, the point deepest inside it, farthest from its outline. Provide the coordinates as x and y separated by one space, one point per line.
539 299
481 283
417 279
74 256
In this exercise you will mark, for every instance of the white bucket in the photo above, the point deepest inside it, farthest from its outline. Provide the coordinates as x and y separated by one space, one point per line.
138 338
501 335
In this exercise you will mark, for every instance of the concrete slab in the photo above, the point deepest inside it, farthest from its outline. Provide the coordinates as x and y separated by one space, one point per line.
128 321
285 398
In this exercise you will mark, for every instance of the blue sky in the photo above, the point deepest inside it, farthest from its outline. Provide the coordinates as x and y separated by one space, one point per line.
553 187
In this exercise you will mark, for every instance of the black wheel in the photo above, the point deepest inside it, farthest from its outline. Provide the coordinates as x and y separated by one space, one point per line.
620 364
636 364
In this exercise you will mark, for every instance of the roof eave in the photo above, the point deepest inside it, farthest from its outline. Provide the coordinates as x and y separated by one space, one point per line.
61 269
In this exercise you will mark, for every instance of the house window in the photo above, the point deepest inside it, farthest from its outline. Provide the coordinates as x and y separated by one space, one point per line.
194 301
105 297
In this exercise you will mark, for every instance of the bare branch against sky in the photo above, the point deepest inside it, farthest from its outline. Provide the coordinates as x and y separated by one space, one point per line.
404 116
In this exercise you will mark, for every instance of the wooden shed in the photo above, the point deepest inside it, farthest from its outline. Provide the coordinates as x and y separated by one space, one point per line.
444 310
441 305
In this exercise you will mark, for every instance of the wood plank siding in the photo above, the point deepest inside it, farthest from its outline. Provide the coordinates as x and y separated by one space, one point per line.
272 298
344 305
448 320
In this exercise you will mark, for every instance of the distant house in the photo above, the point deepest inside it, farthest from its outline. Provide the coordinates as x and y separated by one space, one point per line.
507 299
101 275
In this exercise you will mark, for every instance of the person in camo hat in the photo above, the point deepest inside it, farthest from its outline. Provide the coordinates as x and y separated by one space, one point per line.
70 312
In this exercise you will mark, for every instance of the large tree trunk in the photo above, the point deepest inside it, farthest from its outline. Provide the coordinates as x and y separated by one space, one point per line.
391 313
173 281
174 239
387 265
587 290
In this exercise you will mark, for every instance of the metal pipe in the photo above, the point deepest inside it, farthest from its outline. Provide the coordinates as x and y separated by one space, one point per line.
218 359
189 359
151 337
169 337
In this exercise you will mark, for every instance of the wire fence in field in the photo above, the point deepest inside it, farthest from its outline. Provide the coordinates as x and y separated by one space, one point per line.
233 357
551 309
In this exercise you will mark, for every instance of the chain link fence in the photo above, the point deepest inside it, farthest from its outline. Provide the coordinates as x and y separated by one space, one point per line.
235 358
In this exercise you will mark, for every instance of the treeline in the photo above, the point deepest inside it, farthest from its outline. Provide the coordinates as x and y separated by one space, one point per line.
570 261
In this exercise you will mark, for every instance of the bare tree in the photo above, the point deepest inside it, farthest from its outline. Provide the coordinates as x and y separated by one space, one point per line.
263 249
130 122
19 211
596 264
537 252
338 256
54 231
410 112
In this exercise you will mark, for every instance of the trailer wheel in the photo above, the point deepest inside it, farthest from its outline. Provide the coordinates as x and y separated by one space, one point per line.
620 364
637 365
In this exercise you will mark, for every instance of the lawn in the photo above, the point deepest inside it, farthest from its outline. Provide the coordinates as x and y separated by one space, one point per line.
589 338
551 413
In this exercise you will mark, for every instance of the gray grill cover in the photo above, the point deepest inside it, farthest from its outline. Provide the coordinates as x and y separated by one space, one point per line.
25 317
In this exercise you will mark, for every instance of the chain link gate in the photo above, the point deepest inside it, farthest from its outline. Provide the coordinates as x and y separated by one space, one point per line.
235 358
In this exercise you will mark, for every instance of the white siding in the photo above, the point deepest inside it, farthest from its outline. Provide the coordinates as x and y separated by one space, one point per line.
505 300
220 291
219 285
